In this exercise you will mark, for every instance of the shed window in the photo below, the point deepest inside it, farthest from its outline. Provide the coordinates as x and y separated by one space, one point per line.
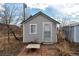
33 28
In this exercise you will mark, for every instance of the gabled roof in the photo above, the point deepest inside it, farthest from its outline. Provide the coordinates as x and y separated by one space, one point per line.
40 13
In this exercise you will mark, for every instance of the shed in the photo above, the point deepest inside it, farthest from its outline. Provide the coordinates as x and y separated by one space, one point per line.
40 28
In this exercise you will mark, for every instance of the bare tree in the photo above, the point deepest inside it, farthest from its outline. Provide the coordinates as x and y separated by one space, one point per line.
8 16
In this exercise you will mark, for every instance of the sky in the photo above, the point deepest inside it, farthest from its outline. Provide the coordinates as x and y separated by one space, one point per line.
64 9
57 9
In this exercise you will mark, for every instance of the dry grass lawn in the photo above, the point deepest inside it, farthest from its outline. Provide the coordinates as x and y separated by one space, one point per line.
61 48
11 48
58 49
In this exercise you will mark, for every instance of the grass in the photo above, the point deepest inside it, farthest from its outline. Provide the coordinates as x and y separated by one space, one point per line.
12 48
62 48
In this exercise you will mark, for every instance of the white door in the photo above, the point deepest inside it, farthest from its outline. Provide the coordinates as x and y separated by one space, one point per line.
47 32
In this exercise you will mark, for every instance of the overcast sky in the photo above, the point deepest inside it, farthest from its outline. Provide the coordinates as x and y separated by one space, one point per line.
68 9
64 8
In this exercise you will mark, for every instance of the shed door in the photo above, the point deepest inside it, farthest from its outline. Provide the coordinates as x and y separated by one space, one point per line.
47 32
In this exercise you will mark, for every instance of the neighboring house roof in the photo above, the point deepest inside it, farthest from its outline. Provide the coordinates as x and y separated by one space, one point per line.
40 13
73 24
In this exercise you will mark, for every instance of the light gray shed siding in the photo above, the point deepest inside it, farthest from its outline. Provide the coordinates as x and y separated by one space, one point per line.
77 34
72 33
39 21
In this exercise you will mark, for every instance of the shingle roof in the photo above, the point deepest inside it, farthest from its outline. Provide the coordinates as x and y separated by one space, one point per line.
40 13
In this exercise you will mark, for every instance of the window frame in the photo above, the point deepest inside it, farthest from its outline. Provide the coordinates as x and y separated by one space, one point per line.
35 29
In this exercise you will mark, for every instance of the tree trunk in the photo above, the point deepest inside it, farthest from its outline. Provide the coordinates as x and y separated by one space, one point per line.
13 34
7 25
8 34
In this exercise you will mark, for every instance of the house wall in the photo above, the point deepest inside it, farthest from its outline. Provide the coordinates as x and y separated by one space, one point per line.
76 34
39 21
72 33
